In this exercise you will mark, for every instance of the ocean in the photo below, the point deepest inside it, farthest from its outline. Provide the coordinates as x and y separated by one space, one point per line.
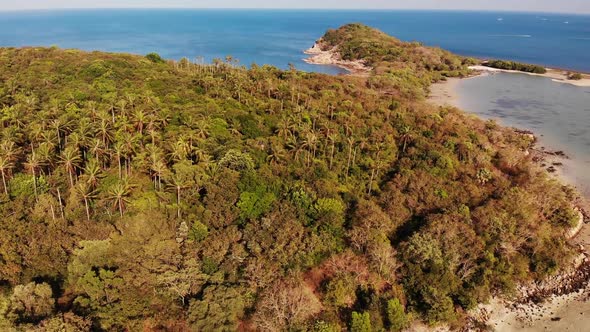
278 37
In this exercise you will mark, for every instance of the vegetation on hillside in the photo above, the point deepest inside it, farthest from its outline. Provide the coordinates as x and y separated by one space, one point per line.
140 194
511 65
397 65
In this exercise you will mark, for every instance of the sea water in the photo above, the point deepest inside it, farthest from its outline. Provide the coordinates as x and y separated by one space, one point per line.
278 37
558 113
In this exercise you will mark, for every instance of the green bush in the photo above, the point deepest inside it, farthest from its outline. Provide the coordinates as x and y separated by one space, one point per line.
24 185
198 232
396 316
360 322
155 58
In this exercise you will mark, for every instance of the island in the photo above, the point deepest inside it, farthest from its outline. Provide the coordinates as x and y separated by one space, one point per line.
140 193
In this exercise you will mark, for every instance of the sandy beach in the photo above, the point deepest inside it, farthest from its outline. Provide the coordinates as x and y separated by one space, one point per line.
445 93
557 75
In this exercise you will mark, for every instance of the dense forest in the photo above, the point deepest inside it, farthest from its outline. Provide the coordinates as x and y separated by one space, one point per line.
141 194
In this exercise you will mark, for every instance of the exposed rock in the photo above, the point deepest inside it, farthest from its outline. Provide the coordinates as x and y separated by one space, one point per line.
320 56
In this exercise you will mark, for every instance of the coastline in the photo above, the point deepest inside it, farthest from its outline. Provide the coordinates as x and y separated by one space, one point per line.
565 304
556 75
318 56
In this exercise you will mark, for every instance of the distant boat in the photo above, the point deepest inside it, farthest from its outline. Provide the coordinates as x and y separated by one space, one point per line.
500 19
566 22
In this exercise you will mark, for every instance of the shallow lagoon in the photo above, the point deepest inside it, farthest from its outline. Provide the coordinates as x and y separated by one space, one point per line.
559 114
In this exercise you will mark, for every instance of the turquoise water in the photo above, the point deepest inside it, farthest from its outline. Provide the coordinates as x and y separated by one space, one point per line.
277 37
558 113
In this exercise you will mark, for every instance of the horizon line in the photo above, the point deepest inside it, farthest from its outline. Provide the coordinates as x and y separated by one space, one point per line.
302 8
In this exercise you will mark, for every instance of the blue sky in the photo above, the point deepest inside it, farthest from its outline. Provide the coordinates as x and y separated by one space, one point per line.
572 6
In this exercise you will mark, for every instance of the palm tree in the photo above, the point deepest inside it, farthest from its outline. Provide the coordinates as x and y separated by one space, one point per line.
92 108
177 183
276 155
406 136
71 159
93 173
49 138
202 129
6 165
156 165
119 150
332 138
139 120
294 147
86 191
85 134
9 149
35 132
377 165
7 158
104 131
75 140
180 150
351 141
45 153
59 127
98 150
122 104
15 116
312 139
285 128
119 194
32 164
129 148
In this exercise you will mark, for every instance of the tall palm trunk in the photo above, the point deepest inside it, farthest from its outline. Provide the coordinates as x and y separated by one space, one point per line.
178 202
35 182
349 158
119 163
71 178
371 181
52 212
4 182
121 207
61 207
87 209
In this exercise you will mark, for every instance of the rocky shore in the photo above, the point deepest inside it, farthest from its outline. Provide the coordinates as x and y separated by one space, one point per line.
557 303
548 305
318 55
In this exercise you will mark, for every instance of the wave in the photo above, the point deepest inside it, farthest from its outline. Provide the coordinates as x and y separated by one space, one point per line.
515 36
